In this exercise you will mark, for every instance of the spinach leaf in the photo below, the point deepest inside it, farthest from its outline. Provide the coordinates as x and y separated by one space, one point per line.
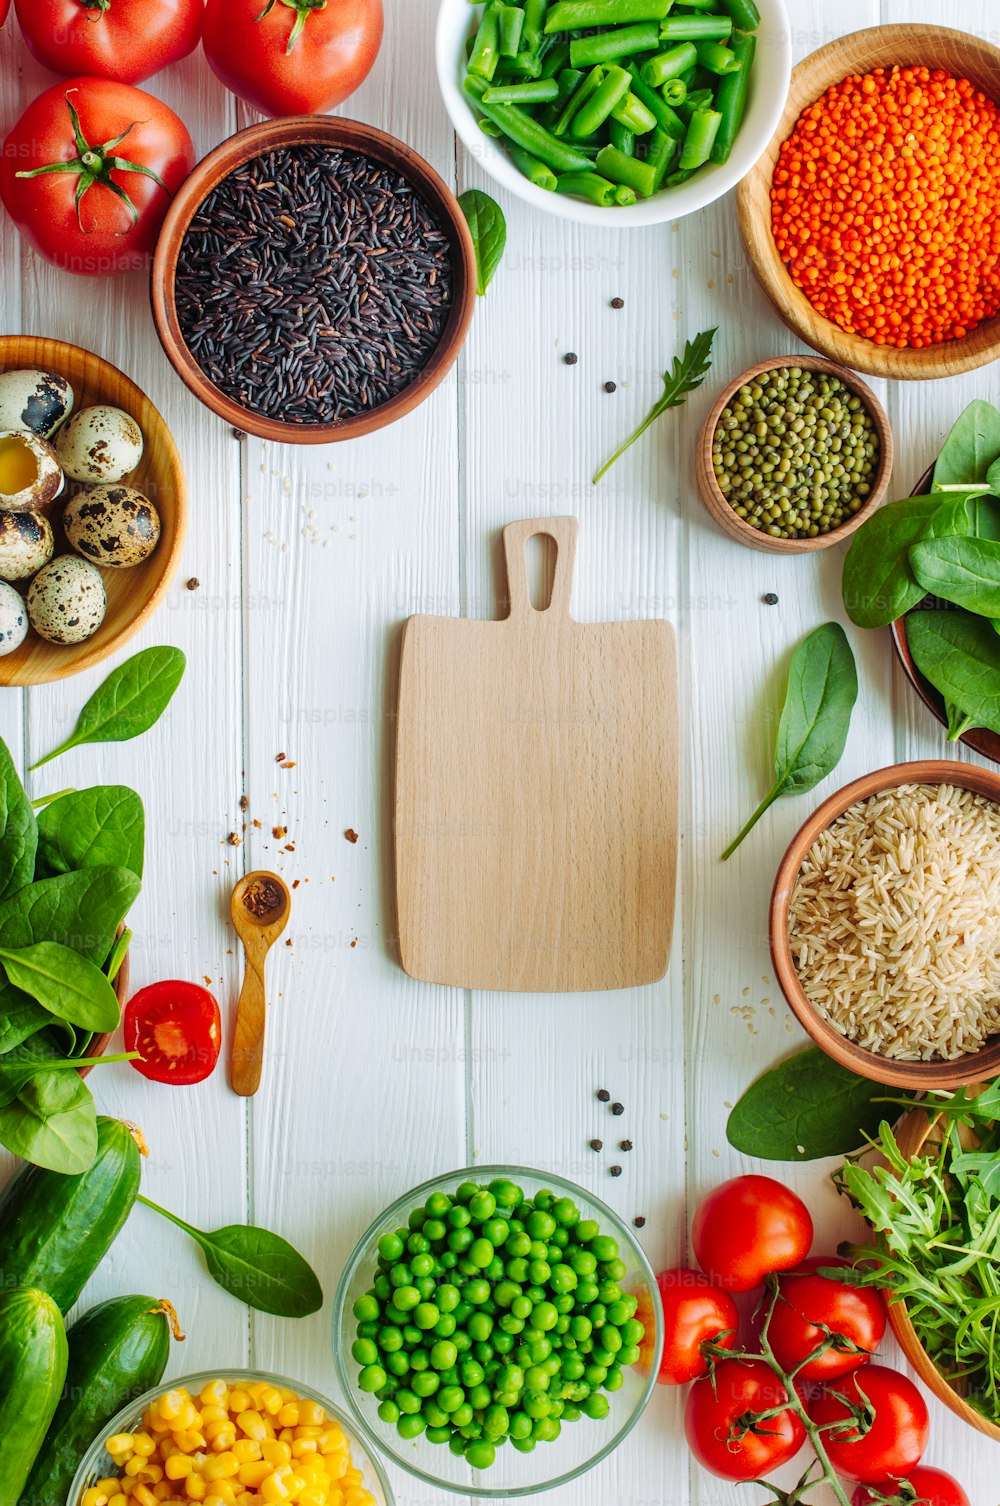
18 834
102 827
82 910
489 233
255 1266
64 983
993 477
815 718
971 448
965 571
18 1066
960 655
807 1107
21 1019
130 701
52 1122
878 582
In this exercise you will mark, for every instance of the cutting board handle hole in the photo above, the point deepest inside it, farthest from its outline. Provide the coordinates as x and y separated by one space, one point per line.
540 552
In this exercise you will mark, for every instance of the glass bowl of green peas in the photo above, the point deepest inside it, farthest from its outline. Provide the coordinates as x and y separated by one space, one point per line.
497 1331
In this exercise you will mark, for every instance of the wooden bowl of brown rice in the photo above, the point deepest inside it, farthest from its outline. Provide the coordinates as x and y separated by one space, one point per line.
885 925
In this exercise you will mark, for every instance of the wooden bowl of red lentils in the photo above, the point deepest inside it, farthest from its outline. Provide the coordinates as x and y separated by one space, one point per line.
870 220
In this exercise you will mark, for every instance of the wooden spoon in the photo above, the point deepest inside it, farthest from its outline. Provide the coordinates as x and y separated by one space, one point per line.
259 907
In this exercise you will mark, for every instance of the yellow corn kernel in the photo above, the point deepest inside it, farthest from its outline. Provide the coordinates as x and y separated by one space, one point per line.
151 1473
121 1443
251 1423
310 1430
277 1486
170 1405
135 1464
187 1419
288 1416
144 1496
275 1452
221 1435
303 1446
311 1414
94 1497
221 1494
247 1450
164 1491
189 1441
271 1400
239 1400
314 1495
179 1467
352 1475
212 1413
195 1488
338 1464
107 1486
223 1467
214 1393
254 1471
118 1499
287 1434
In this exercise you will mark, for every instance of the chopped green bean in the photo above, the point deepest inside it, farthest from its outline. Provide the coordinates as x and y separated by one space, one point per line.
525 65
621 137
666 118
576 15
744 13
536 172
695 28
526 133
731 96
716 58
631 112
700 139
674 92
620 42
535 91
486 48
489 127
669 64
580 95
699 99
587 185
511 26
624 194
555 60
534 24
628 170
593 114
674 180
660 153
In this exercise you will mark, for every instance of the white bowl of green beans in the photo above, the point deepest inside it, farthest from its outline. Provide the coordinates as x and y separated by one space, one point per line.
631 112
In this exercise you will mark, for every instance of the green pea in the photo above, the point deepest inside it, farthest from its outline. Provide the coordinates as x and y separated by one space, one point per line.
445 1326
518 1245
426 1383
405 1298
566 1212
537 1404
462 1416
410 1427
459 1240
417 1244
507 1194
456 1444
583 1262
480 1397
563 1278
539 1271
458 1216
450 1398
388 1411
412 1337
476 1291
425 1315
364 1351
482 1206
480 1454
466 1192
419 1359
544 1316
382 1287
437 1435
596 1407
604 1247
417 1219
365 1309
437 1204
443 1354
502 1343
397 1363
480 1326
481 1253
434 1230
372 1378
614 1379
540 1224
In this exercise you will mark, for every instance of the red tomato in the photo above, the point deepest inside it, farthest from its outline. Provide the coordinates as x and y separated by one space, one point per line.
4 9
896 1436
127 40
856 1313
747 1228
177 1028
300 57
740 1386
693 1310
931 1487
101 235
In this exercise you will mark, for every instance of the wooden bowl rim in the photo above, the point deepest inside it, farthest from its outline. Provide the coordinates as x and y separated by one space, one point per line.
918 1076
81 656
295 130
876 46
711 493
100 1043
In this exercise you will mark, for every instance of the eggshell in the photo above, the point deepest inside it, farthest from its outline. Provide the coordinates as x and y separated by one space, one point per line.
66 600
115 526
35 400
13 619
26 544
39 494
100 445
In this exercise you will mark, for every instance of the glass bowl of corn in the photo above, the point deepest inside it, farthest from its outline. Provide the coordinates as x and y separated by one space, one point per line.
230 1437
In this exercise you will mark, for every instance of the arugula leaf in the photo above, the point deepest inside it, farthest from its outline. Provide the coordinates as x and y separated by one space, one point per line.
52 1122
960 655
489 233
687 372
805 1108
102 827
18 834
64 983
965 571
132 698
815 718
971 449
257 1267
878 582
82 910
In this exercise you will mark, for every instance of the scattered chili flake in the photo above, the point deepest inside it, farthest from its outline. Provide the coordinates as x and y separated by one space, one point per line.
289 846
639 1221
603 1095
296 883
288 942
571 358
263 897
597 1144
625 1145
244 802
280 757
615 1171
351 834
256 823
279 831
289 763
354 942
234 839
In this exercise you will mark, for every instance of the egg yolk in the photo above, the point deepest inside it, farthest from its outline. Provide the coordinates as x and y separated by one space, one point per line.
18 466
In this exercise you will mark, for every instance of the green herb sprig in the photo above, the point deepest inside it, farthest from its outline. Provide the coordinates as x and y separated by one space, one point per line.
687 372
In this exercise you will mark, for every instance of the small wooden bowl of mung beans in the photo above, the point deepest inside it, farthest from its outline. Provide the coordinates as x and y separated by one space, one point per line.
794 455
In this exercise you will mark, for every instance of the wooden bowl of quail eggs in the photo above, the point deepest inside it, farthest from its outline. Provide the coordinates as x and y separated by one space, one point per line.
93 506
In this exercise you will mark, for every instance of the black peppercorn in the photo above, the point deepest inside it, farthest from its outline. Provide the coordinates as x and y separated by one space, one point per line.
603 1095
625 1145
238 434
597 1144
616 1171
571 358
617 303
771 599
611 386
617 1108
639 1221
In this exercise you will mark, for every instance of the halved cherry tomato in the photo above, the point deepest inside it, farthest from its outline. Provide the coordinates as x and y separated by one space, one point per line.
892 1434
127 40
177 1028
806 1300
4 10
292 57
747 1228
714 1423
930 1487
693 1311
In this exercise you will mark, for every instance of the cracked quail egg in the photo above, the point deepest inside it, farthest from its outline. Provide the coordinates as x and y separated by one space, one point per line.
112 525
66 600
30 474
26 544
99 444
13 619
35 400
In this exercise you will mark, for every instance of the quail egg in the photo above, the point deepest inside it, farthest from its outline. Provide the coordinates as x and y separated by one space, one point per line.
112 525
35 400
99 444
66 600
26 544
13 619
30 474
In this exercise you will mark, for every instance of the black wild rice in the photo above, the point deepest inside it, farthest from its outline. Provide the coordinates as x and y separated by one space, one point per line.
313 284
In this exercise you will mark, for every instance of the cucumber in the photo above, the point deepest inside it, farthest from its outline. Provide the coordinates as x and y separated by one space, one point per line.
117 1350
55 1229
33 1358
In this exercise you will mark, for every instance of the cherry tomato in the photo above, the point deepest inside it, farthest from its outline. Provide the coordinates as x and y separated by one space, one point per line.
177 1028
693 1310
127 40
897 1435
298 57
747 1228
740 1386
4 10
114 227
931 1487
807 1299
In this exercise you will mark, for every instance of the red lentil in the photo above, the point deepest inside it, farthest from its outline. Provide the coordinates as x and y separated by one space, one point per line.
884 206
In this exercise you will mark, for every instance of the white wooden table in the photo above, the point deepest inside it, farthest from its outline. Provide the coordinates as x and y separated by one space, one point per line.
309 561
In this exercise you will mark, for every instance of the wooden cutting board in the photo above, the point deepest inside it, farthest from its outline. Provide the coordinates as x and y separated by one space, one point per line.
536 792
